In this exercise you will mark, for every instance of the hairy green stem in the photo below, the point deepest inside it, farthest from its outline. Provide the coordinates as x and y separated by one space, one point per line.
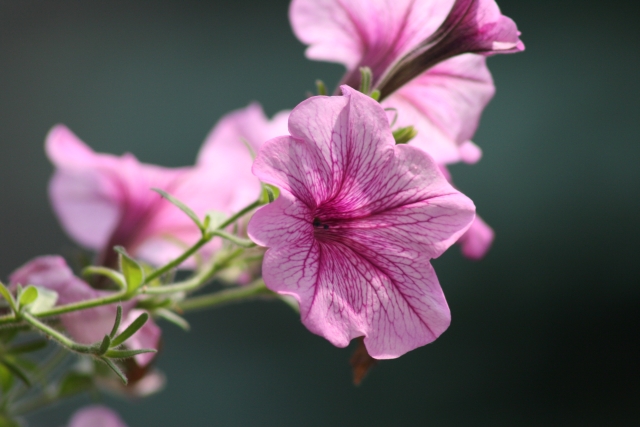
67 342
239 293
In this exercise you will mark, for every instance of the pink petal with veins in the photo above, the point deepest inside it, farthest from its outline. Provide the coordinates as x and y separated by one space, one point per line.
358 218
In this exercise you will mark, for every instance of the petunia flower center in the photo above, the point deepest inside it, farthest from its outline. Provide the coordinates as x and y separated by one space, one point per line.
319 224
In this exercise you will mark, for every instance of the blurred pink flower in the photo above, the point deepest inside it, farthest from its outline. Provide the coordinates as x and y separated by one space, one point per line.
476 242
96 416
416 50
104 200
358 219
90 325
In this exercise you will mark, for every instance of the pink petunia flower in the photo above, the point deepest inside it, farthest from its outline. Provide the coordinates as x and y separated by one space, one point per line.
90 325
416 50
358 219
104 200
96 416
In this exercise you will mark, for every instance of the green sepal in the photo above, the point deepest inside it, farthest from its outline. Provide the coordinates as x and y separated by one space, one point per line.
9 297
114 275
115 369
132 271
269 193
321 88
375 95
366 76
29 295
184 208
132 329
105 345
405 134
125 354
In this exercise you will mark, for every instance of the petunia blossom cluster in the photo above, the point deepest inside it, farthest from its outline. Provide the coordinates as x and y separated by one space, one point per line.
336 206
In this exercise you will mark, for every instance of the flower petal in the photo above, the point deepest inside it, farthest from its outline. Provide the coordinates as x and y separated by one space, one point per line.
353 230
373 33
476 242
96 416
85 326
444 104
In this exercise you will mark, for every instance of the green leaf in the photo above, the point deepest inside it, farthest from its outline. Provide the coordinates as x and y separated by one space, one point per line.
269 193
125 354
27 347
114 275
172 317
132 271
405 134
7 422
9 297
46 300
184 208
74 383
115 369
29 295
375 94
104 345
16 371
6 379
116 324
132 329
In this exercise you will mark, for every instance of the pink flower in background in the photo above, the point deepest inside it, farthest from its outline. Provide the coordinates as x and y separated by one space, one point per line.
476 242
437 91
358 219
91 325
96 416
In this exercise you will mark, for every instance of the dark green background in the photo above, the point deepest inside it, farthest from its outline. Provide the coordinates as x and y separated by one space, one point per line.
545 330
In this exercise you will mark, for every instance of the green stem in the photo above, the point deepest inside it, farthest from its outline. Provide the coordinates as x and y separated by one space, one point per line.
176 262
239 293
196 281
218 231
67 342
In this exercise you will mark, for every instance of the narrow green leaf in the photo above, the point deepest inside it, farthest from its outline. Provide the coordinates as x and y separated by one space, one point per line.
16 371
6 379
116 324
115 369
104 345
184 208
132 271
365 80
125 354
27 347
114 275
172 317
74 383
9 297
132 329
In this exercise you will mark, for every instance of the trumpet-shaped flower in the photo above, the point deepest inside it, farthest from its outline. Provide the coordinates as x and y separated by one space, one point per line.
357 220
96 416
90 325
476 242
414 48
104 200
